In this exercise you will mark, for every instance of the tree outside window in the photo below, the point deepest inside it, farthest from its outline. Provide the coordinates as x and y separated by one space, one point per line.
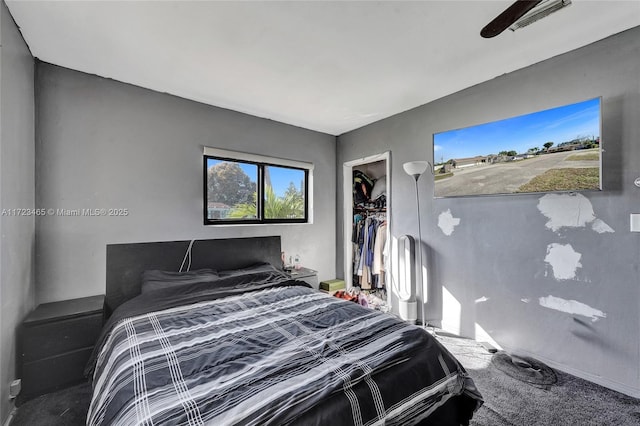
238 192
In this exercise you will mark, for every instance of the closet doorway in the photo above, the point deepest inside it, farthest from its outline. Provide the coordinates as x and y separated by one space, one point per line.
378 169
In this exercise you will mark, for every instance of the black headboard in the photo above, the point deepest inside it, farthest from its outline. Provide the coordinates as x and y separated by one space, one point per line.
127 262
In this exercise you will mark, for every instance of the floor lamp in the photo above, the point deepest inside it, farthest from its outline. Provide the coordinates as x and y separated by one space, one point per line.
416 169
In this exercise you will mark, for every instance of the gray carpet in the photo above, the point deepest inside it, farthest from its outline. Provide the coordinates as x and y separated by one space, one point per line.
568 402
67 407
508 402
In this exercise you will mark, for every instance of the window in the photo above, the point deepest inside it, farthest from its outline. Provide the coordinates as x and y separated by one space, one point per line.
246 188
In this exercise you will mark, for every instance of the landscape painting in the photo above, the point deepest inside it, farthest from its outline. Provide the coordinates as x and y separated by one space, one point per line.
555 150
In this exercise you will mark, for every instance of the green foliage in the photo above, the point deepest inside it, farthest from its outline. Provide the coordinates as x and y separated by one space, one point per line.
227 183
548 145
244 210
289 206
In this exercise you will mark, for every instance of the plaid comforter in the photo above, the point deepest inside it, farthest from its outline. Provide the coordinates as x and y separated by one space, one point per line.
275 353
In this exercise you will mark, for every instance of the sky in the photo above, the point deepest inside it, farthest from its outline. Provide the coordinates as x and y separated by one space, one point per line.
520 133
280 177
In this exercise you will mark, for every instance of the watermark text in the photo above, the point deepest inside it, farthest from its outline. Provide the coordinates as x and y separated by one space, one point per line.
83 212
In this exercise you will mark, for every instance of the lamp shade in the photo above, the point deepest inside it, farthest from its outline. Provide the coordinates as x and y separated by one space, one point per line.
416 168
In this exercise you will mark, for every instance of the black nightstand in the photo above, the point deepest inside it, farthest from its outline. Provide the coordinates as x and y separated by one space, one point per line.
55 342
305 274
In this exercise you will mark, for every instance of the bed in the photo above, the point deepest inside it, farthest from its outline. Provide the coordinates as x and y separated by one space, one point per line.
235 341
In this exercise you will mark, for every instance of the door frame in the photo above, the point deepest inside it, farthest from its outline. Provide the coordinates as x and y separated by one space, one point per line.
347 216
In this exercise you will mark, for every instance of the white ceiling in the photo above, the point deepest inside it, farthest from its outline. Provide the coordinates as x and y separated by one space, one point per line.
330 66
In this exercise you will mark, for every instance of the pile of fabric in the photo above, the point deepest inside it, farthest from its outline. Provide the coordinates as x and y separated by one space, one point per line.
369 193
366 299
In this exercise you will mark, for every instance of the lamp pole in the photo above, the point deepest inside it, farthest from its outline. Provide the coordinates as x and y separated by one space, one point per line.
416 169
420 276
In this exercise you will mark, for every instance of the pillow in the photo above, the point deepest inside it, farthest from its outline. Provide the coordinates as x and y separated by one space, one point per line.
379 188
258 267
155 279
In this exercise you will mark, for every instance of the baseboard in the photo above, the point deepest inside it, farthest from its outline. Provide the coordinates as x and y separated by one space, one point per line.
609 384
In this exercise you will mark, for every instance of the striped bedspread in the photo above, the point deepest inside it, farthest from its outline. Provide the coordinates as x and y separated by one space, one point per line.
273 355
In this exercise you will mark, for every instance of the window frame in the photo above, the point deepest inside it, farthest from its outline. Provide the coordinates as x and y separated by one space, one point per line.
261 162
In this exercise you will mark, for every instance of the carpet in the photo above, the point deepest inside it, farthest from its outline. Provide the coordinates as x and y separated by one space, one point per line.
67 407
569 401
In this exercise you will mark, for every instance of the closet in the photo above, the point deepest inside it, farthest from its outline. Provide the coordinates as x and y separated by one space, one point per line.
366 227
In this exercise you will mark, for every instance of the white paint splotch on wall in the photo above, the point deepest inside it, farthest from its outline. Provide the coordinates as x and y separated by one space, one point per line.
571 307
447 223
564 260
570 210
600 227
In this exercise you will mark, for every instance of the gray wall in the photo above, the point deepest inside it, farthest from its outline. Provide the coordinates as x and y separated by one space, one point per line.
491 276
17 185
104 144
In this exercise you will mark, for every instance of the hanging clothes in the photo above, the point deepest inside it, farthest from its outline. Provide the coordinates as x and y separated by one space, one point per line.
378 255
369 241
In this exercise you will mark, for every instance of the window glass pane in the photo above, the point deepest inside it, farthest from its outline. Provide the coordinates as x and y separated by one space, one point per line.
284 196
231 190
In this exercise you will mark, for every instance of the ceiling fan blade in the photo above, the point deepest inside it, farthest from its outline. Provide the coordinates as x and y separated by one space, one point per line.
508 17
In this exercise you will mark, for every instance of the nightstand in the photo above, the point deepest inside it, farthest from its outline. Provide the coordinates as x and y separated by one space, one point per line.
305 274
55 342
